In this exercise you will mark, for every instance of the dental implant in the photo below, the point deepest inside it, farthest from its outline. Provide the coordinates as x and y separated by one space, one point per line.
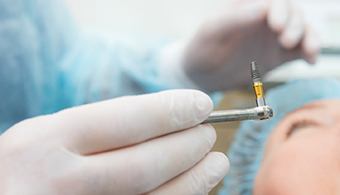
260 112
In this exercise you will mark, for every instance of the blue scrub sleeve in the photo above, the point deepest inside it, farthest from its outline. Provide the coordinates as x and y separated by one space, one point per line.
33 41
47 65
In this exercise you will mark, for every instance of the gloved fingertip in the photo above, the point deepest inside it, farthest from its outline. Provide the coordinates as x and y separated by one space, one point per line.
276 26
210 134
311 60
204 105
222 161
312 52
184 108
287 42
311 45
217 168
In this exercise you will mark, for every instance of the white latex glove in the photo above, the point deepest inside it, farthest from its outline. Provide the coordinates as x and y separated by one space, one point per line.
131 145
270 32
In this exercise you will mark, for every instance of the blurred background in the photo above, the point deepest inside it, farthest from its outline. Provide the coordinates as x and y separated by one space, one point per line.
178 19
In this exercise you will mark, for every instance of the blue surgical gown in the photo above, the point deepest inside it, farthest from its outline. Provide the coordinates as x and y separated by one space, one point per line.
46 64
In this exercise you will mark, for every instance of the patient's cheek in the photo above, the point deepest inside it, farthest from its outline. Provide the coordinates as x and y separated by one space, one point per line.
271 180
306 164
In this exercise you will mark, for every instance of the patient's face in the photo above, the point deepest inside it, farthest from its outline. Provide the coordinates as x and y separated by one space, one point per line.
303 153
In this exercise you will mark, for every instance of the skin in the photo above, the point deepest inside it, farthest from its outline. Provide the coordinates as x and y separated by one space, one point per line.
303 153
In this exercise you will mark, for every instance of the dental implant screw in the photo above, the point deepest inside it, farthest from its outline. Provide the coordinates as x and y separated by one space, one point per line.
257 85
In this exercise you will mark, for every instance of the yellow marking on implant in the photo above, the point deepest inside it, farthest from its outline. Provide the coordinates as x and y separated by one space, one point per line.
258 88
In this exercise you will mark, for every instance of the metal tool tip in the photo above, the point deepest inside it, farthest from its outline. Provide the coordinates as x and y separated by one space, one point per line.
255 74
266 112
270 112
253 65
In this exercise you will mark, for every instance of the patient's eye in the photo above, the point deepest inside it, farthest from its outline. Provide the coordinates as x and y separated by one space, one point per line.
300 125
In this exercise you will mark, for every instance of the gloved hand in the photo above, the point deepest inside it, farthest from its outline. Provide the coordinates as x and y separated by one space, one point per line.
132 145
267 31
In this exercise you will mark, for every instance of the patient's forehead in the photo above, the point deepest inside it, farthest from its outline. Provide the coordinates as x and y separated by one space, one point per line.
330 107
326 103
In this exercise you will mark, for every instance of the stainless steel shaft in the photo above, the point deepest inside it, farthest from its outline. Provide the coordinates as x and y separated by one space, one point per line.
330 50
257 113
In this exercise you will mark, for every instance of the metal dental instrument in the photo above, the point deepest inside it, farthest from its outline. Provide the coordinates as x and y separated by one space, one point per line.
261 112
330 50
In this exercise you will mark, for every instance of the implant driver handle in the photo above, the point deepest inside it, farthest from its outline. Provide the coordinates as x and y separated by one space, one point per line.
257 113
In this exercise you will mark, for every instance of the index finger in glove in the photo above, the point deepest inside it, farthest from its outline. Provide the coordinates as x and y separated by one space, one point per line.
129 120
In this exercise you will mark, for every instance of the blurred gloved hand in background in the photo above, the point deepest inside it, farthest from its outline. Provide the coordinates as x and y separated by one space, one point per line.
269 31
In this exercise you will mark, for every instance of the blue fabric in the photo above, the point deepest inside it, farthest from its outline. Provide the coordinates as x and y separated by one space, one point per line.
47 65
247 149
32 40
